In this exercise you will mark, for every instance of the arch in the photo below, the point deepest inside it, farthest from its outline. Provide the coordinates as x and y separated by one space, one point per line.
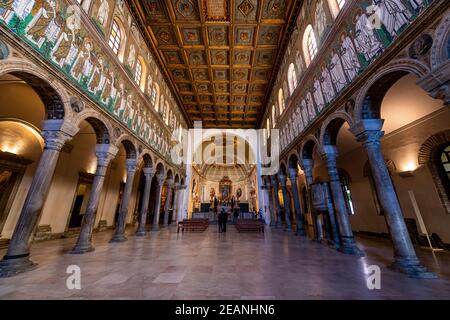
332 125
429 154
117 38
182 181
369 98
309 45
281 101
283 168
4 50
53 95
292 78
154 99
336 6
146 159
169 174
307 148
140 73
177 178
293 161
99 123
129 146
440 51
160 168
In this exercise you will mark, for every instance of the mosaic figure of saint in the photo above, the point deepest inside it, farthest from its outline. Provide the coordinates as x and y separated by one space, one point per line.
321 19
20 10
82 67
393 14
349 57
98 79
327 86
66 48
5 9
46 24
366 41
318 96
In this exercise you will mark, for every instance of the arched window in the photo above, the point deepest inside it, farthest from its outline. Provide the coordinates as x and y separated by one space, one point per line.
281 102
445 169
155 96
115 37
85 4
336 6
138 72
309 45
292 78
345 183
273 116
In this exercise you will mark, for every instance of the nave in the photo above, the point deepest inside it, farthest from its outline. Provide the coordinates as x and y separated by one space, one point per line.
209 265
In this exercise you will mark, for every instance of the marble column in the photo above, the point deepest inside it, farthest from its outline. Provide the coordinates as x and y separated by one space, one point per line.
176 196
307 167
148 174
369 133
348 244
183 202
273 220
293 175
119 235
157 207
266 212
287 202
168 201
181 190
17 258
275 185
105 153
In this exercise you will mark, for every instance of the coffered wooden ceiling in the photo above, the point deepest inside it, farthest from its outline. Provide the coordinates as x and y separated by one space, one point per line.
220 56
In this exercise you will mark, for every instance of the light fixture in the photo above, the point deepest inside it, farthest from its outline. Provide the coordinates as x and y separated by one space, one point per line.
406 174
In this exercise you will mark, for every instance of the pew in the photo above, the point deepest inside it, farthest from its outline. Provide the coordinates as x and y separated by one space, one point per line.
193 225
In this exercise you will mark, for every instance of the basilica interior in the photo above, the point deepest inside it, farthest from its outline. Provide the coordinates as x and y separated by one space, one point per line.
321 128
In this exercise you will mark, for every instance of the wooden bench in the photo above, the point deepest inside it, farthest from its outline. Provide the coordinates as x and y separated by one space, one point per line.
194 225
247 225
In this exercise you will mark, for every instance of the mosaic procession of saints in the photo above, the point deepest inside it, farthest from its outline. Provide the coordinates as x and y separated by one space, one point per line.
77 56
374 29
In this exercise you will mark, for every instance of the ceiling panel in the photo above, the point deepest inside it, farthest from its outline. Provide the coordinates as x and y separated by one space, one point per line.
220 56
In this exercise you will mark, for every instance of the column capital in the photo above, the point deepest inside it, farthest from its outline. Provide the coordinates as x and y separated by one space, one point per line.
170 182
105 153
177 186
274 180
282 179
293 173
131 165
55 140
369 131
160 177
148 172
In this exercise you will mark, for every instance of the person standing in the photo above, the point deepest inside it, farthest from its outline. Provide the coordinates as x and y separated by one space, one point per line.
223 221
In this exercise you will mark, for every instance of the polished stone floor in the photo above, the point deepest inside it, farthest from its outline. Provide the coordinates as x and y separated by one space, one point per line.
209 265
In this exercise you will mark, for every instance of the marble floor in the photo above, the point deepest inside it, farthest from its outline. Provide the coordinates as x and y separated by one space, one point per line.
209 265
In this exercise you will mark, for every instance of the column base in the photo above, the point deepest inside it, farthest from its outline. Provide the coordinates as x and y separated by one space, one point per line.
412 268
288 229
140 233
348 246
81 249
118 238
10 267
301 232
155 228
